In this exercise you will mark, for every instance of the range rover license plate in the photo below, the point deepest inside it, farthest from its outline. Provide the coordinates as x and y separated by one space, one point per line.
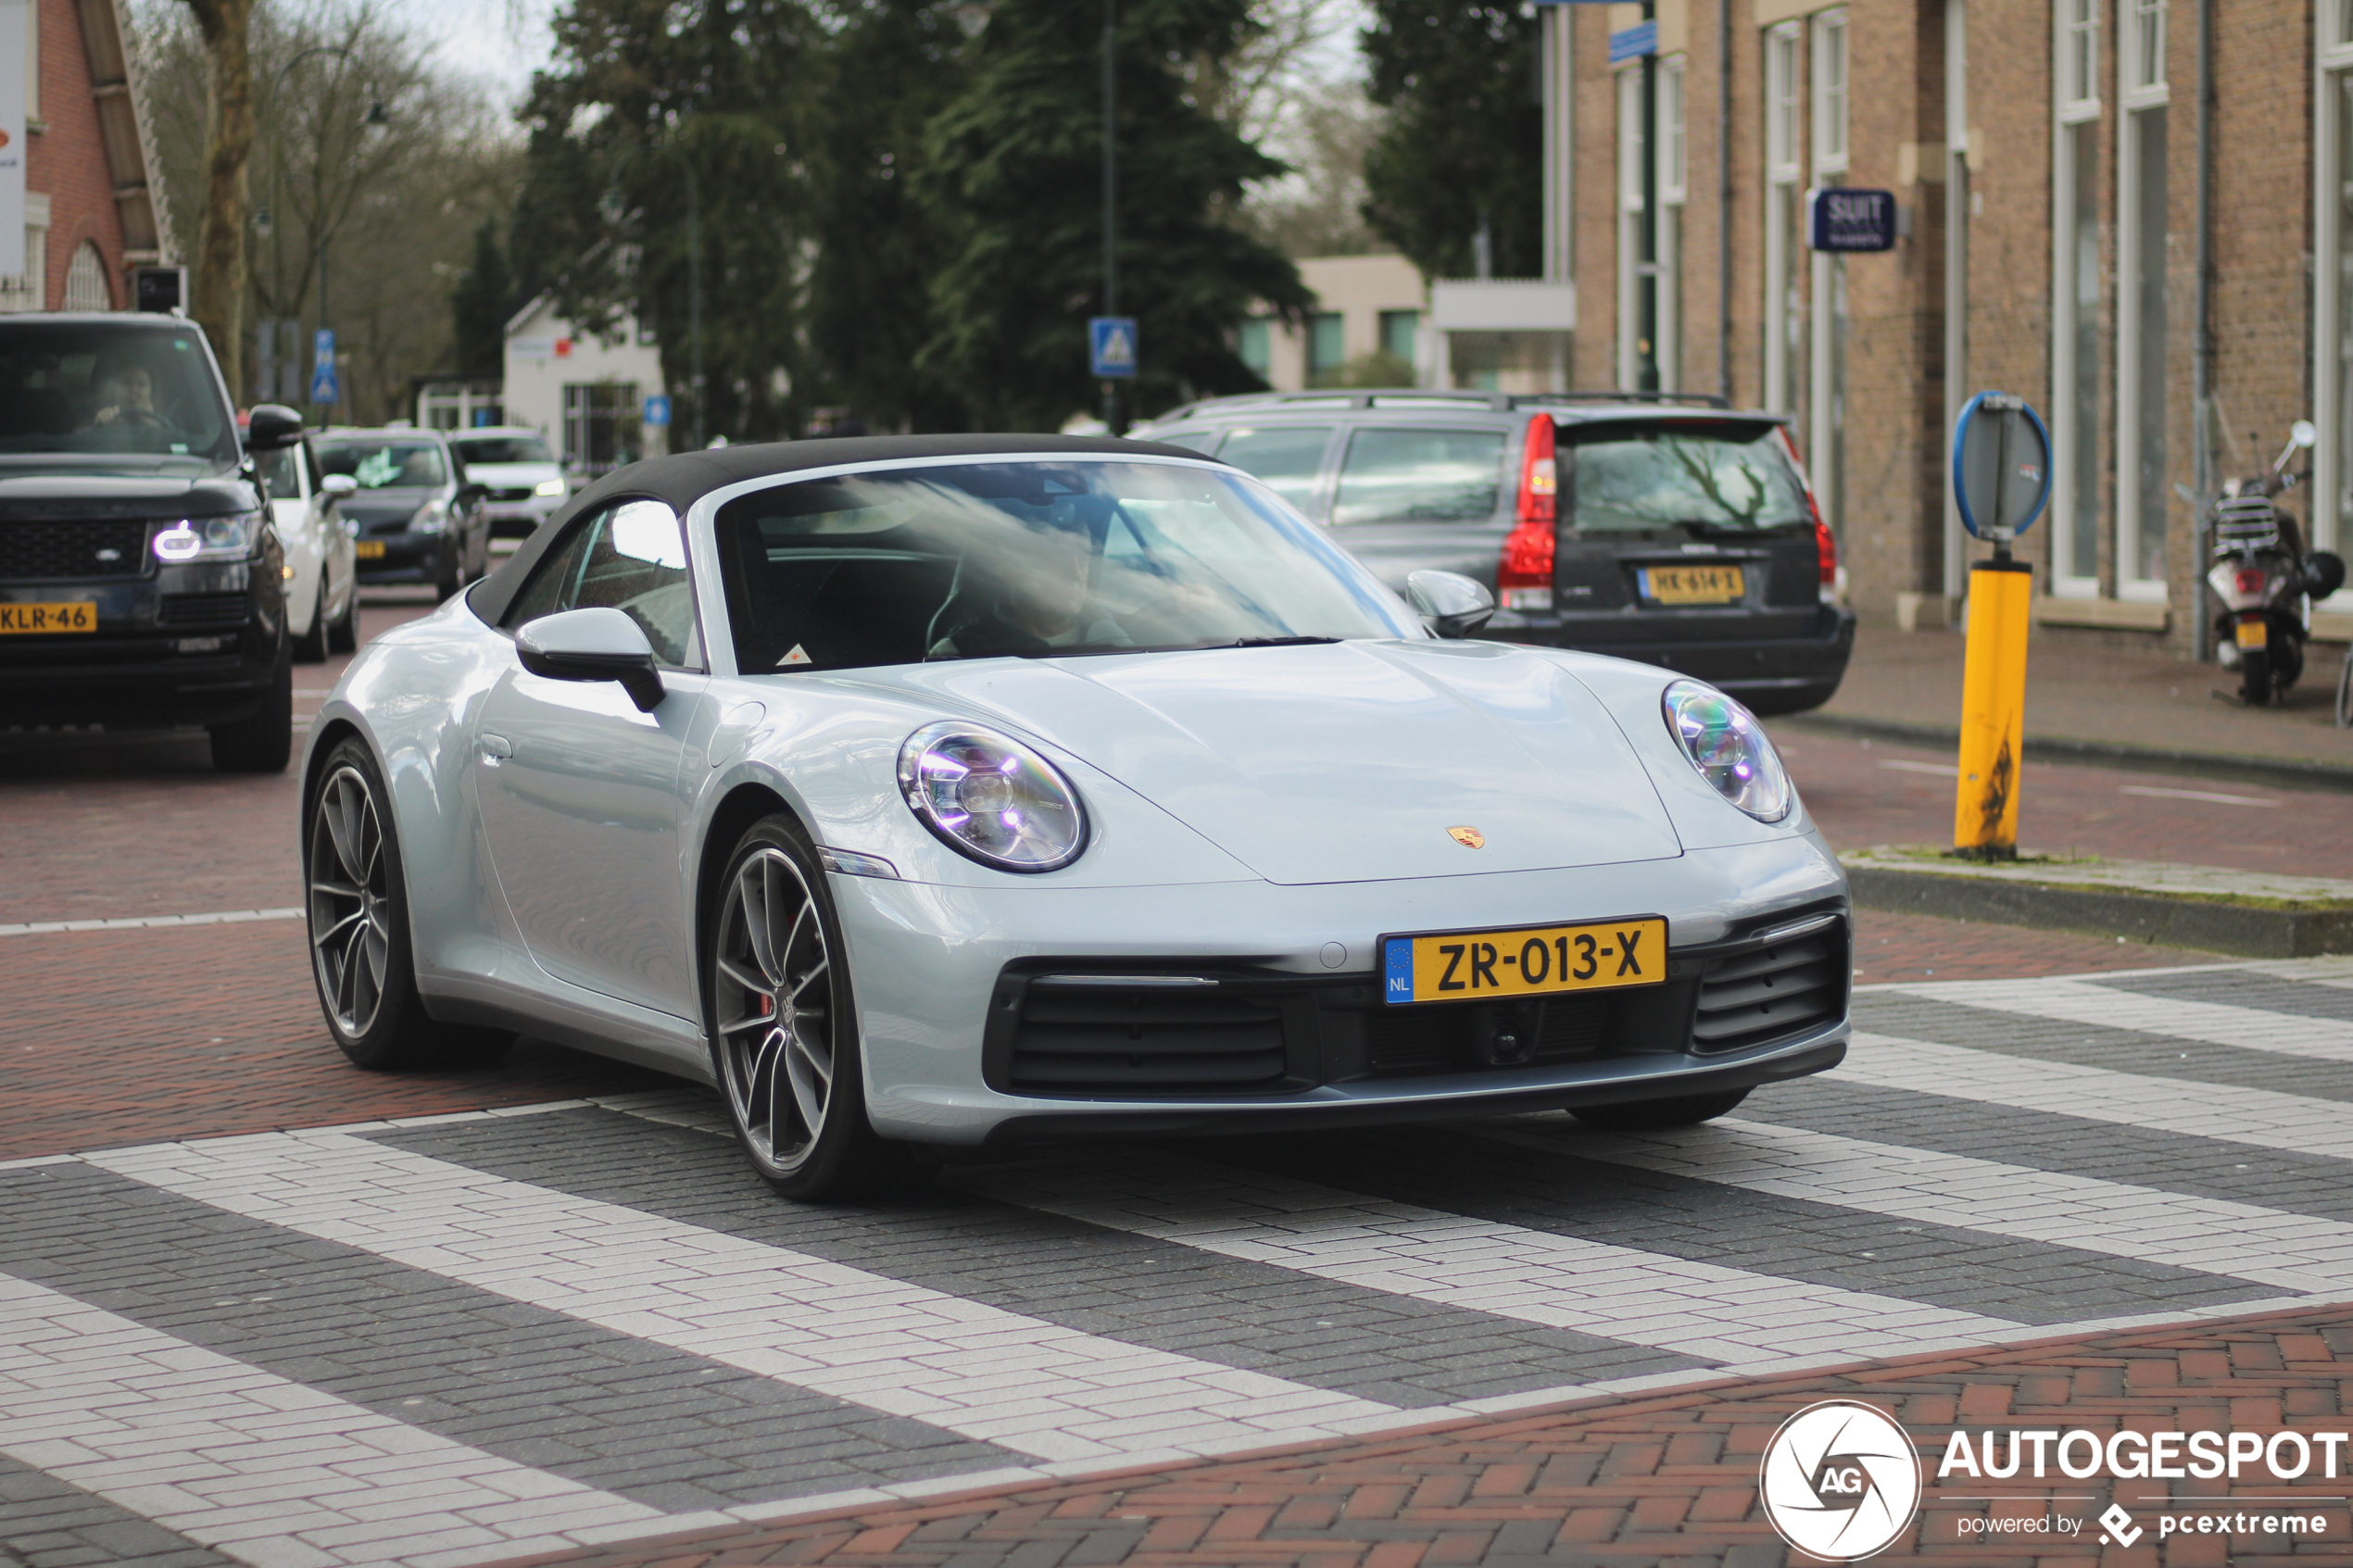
49 617
1530 960
1692 584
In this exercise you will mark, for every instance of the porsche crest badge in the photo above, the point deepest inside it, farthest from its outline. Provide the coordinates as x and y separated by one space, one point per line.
1469 838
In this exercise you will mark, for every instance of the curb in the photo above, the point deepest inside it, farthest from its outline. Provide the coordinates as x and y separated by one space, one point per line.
2204 924
2282 773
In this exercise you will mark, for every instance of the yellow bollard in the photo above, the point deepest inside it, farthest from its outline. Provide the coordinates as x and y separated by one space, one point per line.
1993 709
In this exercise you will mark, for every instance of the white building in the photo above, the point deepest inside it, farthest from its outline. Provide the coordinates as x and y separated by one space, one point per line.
1510 334
586 394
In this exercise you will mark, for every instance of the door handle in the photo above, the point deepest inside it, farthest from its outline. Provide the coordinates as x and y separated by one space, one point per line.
495 749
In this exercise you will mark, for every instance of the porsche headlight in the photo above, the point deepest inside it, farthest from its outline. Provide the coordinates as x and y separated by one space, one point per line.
209 539
1729 749
991 797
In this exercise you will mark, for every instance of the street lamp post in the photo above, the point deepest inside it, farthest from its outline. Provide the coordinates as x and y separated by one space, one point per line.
694 258
1646 274
1111 196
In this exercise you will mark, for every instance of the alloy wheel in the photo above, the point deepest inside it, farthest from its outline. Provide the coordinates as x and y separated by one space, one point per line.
774 985
350 902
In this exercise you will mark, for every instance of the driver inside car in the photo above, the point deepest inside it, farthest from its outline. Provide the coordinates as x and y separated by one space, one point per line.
1038 597
127 397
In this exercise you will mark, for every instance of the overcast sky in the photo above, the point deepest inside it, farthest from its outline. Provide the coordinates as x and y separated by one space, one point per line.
503 40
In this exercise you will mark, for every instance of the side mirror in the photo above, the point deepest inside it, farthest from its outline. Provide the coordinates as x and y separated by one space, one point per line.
339 485
1449 603
593 644
2324 573
271 427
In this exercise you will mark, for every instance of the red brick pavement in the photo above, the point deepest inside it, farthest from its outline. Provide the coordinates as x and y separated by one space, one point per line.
1664 1479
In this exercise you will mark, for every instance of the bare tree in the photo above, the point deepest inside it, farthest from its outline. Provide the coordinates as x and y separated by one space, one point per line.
219 284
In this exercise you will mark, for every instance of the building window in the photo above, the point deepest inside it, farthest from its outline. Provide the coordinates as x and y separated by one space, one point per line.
1399 331
1829 92
601 430
1327 344
86 283
2078 295
1672 177
2331 369
1783 314
1632 150
30 290
2144 40
1253 344
2143 491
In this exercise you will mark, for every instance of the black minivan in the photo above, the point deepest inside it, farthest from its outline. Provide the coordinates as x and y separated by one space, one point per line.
1670 530
141 583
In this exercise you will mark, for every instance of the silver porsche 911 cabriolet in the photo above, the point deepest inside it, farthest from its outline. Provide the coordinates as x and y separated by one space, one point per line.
933 791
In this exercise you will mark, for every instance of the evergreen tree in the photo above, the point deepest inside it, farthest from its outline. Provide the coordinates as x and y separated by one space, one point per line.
652 103
894 65
1465 137
480 306
1016 171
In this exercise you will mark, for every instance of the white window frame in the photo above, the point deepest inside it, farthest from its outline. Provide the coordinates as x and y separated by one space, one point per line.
2143 88
2075 46
1629 224
1782 128
2332 58
1673 178
1831 91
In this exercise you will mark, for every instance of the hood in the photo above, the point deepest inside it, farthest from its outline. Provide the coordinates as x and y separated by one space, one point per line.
1345 762
506 474
26 496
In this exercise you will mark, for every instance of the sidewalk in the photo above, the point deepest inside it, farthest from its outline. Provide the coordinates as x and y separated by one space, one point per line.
1667 1477
2139 708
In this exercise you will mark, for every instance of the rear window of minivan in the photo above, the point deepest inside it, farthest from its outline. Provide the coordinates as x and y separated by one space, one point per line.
1635 478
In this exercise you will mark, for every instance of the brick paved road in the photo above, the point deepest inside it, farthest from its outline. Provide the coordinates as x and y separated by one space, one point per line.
257 1308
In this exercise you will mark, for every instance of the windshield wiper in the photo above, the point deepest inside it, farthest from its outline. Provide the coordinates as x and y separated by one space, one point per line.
1275 642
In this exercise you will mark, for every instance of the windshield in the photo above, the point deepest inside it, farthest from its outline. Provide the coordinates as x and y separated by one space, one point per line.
388 464
1033 560
1641 478
87 387
502 449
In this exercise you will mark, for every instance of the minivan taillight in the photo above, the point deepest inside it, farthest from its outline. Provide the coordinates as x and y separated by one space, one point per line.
1825 542
1523 575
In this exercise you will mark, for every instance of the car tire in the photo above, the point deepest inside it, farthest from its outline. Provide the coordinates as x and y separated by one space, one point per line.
357 914
263 743
311 647
344 636
1650 1115
779 1007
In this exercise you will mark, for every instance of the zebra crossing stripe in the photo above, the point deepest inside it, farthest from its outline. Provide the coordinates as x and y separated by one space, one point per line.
259 1468
1035 1387
2080 1002
2233 1114
2293 1252
1702 1310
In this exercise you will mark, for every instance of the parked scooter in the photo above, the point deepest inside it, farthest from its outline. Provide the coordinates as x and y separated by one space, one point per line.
2263 578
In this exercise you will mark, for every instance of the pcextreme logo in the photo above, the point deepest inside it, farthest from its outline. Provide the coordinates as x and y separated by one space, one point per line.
1840 1480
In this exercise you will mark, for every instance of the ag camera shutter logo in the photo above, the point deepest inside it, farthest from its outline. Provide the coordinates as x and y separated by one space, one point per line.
1840 1480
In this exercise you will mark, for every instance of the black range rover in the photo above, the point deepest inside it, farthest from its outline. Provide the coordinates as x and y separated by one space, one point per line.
141 585
1670 530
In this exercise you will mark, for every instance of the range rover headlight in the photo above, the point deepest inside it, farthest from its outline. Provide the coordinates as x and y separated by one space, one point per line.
1730 748
209 539
990 797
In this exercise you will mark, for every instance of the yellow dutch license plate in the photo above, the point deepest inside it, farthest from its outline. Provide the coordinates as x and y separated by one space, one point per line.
1692 584
1533 961
2254 633
49 617
368 550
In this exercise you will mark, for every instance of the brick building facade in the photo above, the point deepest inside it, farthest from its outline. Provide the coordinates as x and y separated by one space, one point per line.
90 213
2068 208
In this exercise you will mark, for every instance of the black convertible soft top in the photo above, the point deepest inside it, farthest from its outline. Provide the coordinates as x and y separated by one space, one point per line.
686 477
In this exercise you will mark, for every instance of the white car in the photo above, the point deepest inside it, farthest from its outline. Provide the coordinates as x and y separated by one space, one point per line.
513 462
322 591
926 791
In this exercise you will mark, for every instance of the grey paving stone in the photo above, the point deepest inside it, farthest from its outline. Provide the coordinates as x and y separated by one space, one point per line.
2241 988
2086 1045
2296 1184
521 1383
1566 1195
46 1524
1102 1281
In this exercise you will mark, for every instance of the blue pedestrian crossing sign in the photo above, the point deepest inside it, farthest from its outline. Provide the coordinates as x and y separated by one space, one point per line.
1114 339
326 386
657 409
